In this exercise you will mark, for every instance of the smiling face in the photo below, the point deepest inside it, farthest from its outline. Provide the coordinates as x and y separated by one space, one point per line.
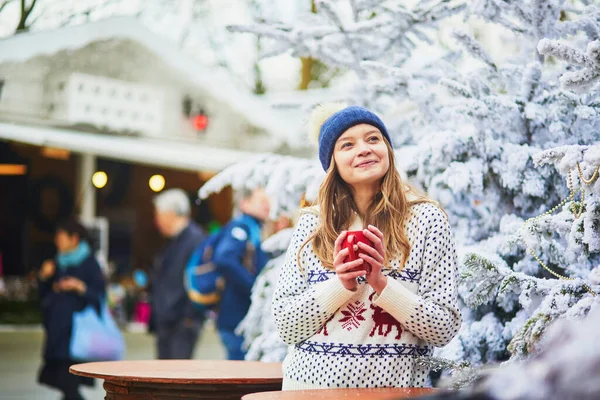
361 156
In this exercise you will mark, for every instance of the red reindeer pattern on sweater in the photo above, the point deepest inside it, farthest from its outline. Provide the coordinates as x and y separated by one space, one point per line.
383 319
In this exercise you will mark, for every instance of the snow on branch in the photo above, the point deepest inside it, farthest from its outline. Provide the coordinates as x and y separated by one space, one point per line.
514 16
561 299
456 88
474 48
480 278
531 80
462 374
580 80
565 158
286 180
584 24
443 9
378 30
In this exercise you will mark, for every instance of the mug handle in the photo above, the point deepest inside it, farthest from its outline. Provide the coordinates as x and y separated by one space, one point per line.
352 240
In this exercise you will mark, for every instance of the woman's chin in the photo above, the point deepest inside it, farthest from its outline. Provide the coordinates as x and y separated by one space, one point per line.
367 177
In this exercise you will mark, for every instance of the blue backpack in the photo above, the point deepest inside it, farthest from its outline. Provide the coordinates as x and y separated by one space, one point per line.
203 282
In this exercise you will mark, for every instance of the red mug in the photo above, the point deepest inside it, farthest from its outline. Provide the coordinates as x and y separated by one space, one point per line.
353 238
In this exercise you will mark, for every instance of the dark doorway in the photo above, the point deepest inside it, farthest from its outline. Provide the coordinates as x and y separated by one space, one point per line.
13 214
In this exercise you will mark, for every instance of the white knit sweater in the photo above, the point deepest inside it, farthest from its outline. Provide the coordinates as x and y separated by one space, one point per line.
340 338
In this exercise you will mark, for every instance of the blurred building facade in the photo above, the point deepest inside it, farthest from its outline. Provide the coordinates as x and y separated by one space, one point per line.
111 96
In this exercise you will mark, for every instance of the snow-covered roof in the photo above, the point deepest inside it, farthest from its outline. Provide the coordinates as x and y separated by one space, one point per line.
215 82
180 155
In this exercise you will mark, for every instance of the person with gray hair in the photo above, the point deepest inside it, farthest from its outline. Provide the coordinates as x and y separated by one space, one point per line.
175 200
174 319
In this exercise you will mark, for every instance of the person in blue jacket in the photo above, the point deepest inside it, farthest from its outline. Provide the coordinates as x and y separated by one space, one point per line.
239 259
67 284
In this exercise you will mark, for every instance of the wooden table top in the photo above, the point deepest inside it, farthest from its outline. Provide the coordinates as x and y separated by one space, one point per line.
183 371
354 393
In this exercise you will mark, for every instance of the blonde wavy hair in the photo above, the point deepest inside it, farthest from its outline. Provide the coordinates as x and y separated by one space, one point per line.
388 211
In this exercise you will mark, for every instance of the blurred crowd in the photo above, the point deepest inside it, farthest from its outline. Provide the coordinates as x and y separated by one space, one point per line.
170 301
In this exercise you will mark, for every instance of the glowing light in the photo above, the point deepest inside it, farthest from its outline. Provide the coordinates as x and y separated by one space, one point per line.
99 179
200 122
13 169
156 183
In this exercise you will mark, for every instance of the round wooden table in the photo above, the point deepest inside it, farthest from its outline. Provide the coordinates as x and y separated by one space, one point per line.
182 379
363 394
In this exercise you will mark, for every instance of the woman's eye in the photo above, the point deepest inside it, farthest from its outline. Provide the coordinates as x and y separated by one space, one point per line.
347 144
373 139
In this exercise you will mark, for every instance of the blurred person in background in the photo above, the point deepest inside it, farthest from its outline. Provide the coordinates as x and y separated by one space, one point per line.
239 258
174 319
67 284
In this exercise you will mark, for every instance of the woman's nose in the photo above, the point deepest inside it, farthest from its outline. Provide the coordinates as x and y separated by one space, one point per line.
363 148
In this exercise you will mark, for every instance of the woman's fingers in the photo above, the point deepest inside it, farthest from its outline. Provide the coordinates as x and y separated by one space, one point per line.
338 243
339 258
376 231
371 251
349 266
375 236
352 274
348 272
370 260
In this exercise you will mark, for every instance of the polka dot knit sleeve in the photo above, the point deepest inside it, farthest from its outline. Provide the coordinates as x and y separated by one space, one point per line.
432 314
300 309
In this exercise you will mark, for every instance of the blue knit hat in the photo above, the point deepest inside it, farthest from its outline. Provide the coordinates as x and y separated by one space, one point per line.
339 123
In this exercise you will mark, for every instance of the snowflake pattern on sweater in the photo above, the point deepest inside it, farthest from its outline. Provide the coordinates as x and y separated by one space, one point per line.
340 338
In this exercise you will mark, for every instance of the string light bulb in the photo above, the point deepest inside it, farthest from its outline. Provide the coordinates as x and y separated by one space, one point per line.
99 179
156 183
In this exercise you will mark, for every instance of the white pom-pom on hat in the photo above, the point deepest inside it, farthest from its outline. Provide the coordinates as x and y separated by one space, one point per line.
318 116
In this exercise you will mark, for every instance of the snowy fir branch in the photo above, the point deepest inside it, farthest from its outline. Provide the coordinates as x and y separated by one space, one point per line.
561 300
584 78
565 158
456 88
438 364
378 30
286 180
510 14
461 374
531 81
474 48
569 354
480 278
585 24
261 340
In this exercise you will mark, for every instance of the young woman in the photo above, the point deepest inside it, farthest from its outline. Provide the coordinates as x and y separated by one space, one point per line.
352 326
67 284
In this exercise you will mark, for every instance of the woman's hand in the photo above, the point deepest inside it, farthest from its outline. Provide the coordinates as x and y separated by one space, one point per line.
48 269
375 256
70 284
346 272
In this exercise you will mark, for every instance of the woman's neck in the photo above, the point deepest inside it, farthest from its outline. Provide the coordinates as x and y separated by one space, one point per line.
363 197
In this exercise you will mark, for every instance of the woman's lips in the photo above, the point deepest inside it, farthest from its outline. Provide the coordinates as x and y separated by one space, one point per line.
366 164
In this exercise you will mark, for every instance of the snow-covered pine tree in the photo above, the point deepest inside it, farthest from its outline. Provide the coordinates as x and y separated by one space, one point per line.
261 340
515 116
478 153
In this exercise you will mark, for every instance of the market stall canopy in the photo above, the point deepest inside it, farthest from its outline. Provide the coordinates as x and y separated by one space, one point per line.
171 154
